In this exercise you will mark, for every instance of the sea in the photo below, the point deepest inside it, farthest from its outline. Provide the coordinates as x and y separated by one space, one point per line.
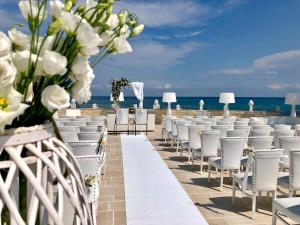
210 103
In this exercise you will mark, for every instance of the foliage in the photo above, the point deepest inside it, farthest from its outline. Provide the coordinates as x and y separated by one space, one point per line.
116 87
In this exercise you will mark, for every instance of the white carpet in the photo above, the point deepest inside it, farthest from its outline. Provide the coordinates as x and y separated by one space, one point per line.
153 194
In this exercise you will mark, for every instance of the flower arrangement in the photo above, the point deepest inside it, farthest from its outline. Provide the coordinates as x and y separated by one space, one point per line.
54 57
116 87
90 180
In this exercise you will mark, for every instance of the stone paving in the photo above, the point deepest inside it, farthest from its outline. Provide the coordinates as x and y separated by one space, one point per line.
214 205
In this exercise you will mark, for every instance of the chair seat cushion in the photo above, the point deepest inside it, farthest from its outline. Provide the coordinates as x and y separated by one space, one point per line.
290 207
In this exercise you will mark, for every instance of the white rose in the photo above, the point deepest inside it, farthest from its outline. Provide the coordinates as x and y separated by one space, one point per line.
7 73
88 39
18 38
5 46
10 106
71 21
30 8
57 8
55 97
80 65
81 92
112 22
106 37
21 61
54 63
121 45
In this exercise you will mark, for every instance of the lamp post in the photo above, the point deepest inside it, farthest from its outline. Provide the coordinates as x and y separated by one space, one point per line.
169 97
251 104
292 99
226 98
201 104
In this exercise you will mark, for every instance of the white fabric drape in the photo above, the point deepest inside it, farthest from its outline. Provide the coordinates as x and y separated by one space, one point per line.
138 89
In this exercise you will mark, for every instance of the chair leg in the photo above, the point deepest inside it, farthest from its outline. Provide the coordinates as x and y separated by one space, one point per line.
233 190
201 165
221 181
253 204
177 146
274 216
209 167
189 153
273 194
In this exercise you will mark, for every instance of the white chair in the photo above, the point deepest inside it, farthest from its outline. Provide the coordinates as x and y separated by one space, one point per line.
194 138
241 123
291 180
168 127
84 148
225 122
182 136
89 136
287 144
297 126
174 123
239 133
74 123
282 133
205 123
243 119
68 137
223 129
231 155
122 119
258 122
89 129
261 133
282 127
141 119
289 207
265 166
213 121
262 127
69 129
209 146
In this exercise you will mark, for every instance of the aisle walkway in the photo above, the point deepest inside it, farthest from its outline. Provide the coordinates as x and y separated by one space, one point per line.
153 194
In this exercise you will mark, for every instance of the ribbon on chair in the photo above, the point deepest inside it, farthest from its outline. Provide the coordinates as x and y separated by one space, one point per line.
138 91
248 169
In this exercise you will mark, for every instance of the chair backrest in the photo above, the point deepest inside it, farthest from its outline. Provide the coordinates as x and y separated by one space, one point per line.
297 126
262 127
89 129
243 119
287 144
141 116
174 125
282 133
168 124
237 133
69 129
261 133
282 127
79 119
225 122
210 142
74 123
294 168
223 129
260 120
213 120
89 136
261 142
241 123
231 152
205 123
81 149
257 122
122 116
182 131
265 169
195 136
68 137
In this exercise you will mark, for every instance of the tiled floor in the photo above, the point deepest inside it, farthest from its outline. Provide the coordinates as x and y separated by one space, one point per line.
215 206
111 209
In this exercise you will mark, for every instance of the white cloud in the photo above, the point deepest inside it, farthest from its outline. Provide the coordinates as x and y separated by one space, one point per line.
277 60
177 13
192 34
281 86
268 65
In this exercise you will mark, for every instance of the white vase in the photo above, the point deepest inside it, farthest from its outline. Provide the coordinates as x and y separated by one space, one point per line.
54 187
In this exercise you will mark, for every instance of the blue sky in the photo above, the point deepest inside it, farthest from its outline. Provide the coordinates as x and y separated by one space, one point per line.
203 47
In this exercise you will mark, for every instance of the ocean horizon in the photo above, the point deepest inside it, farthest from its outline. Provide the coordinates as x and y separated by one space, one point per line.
268 104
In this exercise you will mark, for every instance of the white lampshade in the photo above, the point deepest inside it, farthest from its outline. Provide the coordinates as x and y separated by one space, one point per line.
227 98
169 97
292 99
121 97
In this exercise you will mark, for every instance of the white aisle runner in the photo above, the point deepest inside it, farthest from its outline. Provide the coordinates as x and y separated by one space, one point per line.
152 193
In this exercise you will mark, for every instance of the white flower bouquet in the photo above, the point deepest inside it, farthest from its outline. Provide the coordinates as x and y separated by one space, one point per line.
54 57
